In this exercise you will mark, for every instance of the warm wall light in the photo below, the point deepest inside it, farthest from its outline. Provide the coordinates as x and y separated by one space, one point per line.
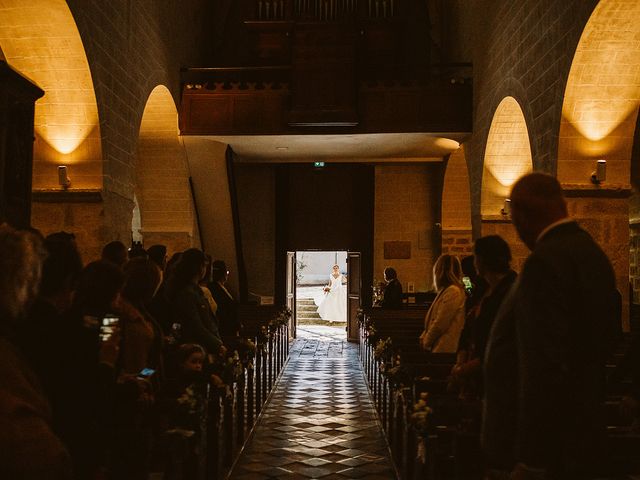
506 209
63 178
600 175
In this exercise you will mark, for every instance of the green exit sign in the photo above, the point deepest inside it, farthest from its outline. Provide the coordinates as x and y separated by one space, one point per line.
318 164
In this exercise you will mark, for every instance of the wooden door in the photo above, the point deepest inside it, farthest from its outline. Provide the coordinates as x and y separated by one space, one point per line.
291 291
354 284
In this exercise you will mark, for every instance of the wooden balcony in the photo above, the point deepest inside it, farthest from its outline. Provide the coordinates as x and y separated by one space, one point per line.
328 66
254 101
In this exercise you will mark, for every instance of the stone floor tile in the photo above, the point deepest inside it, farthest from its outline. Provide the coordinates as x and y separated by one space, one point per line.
320 422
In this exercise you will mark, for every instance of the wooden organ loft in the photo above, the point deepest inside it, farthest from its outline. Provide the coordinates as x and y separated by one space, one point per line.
328 66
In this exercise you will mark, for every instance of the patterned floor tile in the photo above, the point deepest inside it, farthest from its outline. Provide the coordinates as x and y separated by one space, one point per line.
320 422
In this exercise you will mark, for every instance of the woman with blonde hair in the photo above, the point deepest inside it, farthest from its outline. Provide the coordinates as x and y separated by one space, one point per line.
445 319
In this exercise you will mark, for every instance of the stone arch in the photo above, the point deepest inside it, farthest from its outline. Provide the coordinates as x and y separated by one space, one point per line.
602 95
40 39
456 206
507 155
599 114
162 186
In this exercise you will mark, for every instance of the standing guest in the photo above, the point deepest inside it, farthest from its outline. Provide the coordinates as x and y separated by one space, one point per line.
83 408
142 345
189 306
139 369
204 286
42 334
445 318
137 250
116 253
158 254
492 258
545 358
29 449
160 307
392 297
227 311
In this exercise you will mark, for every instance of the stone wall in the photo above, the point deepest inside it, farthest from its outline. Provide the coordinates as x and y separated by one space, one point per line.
522 49
407 209
131 47
457 242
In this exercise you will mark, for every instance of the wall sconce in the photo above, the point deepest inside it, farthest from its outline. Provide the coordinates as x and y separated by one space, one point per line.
600 175
63 179
506 208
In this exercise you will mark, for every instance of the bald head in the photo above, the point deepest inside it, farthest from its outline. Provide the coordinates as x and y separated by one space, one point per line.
537 201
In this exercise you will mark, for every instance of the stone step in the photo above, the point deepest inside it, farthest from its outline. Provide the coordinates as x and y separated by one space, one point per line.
307 308
305 301
309 317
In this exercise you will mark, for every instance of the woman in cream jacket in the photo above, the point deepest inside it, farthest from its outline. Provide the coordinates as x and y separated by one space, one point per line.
445 319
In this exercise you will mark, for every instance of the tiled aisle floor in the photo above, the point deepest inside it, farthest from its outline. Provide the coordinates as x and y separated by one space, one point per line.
320 422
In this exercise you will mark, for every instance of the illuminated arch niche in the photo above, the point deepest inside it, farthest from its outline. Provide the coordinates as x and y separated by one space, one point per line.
40 39
456 206
162 187
602 95
507 156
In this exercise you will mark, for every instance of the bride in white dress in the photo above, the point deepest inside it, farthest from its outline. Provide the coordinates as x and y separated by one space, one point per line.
332 304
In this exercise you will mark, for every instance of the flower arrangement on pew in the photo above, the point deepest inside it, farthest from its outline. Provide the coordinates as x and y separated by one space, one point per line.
383 350
231 371
370 332
262 338
419 420
246 350
397 374
280 319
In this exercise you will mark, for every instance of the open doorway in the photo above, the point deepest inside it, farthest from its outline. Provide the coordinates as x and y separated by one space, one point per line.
321 293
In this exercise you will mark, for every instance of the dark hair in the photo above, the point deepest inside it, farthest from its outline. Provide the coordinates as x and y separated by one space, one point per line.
218 270
62 265
98 285
186 350
115 252
190 264
494 253
158 254
137 251
390 273
20 269
142 277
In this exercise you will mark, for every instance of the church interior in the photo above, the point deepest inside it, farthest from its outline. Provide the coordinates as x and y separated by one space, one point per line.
393 130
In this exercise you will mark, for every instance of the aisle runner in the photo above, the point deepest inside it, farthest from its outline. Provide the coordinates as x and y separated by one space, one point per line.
320 422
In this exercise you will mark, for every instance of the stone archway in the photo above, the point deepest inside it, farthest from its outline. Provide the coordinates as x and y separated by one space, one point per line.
507 157
40 39
599 114
457 238
162 187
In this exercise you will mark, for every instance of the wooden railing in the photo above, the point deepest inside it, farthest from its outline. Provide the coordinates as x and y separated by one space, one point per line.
233 408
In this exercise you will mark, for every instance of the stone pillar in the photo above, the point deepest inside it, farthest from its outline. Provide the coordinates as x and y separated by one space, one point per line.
604 213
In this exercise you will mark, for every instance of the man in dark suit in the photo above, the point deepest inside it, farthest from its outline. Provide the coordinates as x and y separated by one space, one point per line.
544 365
392 291
227 311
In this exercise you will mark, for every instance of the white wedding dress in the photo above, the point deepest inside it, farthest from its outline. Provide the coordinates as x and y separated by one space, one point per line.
332 306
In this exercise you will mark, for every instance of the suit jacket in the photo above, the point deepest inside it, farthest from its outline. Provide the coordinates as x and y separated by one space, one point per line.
192 311
227 313
444 321
563 319
392 295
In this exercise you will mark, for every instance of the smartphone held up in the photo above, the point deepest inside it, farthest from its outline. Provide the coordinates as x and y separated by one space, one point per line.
108 326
